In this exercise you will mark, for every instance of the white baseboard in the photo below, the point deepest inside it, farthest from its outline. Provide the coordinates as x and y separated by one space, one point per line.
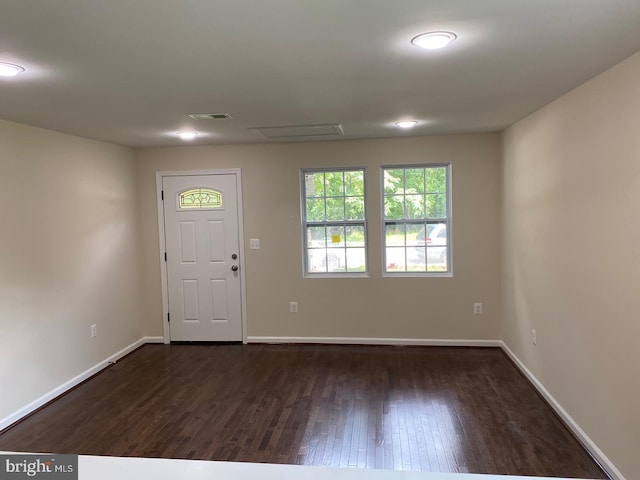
587 443
152 339
56 392
378 341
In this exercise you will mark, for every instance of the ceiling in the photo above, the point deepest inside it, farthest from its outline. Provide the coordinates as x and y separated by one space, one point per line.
130 71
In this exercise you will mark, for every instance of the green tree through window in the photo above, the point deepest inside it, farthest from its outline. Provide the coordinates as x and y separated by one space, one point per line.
334 221
416 219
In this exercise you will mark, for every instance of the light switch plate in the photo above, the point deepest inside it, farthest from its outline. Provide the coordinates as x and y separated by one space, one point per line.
254 244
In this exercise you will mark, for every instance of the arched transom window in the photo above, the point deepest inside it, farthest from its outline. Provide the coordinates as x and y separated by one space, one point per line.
200 198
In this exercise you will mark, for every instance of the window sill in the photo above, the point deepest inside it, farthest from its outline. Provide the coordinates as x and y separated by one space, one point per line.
417 275
336 275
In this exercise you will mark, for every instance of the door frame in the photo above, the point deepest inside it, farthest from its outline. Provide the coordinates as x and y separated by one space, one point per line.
162 242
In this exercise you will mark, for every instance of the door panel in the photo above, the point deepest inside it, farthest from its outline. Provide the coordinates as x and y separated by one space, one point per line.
190 299
201 237
219 298
188 242
217 246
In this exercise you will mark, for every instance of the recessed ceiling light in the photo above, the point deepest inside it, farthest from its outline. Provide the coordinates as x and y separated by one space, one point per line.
434 40
10 70
187 135
407 124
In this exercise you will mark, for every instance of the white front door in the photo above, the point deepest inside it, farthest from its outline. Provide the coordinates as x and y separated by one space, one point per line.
202 257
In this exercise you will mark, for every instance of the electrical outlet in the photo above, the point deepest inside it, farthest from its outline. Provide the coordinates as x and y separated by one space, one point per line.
94 331
534 337
293 307
477 308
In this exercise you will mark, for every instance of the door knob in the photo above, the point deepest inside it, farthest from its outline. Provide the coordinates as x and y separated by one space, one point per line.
234 268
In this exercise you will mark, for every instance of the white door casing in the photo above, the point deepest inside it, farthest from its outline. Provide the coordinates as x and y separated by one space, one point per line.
204 285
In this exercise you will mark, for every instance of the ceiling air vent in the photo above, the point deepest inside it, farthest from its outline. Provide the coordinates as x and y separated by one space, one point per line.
209 116
293 131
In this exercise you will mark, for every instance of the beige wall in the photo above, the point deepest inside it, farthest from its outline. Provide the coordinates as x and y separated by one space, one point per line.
73 252
571 187
374 307
68 258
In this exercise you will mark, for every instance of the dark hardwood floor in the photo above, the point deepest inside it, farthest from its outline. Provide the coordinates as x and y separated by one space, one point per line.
403 408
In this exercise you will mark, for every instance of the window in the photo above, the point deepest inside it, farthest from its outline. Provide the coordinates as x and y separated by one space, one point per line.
334 222
200 198
417 220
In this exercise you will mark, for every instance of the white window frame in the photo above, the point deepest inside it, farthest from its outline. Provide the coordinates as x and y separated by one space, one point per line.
303 210
447 221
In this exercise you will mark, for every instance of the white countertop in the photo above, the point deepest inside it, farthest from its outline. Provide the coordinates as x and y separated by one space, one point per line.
134 468
110 468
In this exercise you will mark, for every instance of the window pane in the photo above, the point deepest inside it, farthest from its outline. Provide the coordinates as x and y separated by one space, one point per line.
420 252
414 206
436 178
200 198
394 207
396 259
394 235
441 206
414 180
334 184
314 184
335 208
416 258
415 235
316 260
405 247
335 237
316 237
354 208
335 221
436 234
414 197
355 236
393 181
437 205
415 262
354 183
356 260
436 246
336 260
437 259
315 210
